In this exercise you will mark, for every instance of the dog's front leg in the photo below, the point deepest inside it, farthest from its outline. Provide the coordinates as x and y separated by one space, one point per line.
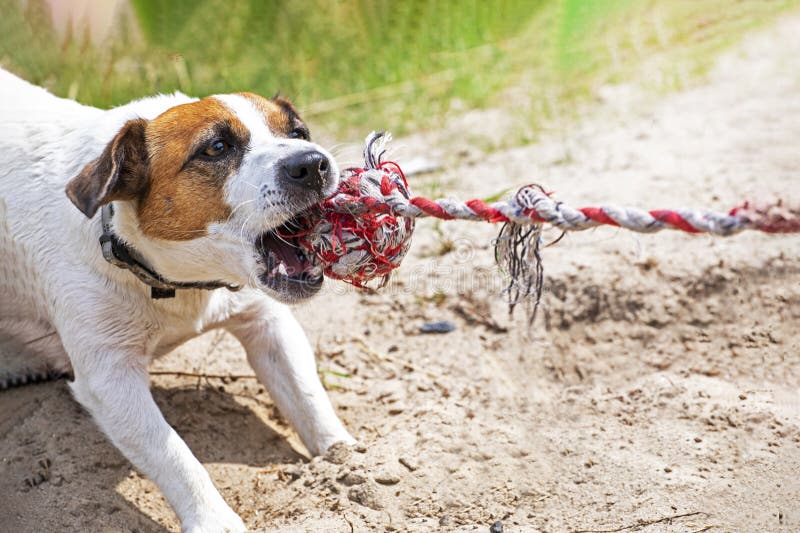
113 386
280 354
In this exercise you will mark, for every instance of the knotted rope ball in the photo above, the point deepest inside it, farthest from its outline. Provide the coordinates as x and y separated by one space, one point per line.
356 234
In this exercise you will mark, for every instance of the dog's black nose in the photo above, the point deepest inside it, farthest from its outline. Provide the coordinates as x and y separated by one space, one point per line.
307 169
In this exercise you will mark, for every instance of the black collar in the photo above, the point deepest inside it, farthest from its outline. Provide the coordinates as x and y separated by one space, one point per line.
120 255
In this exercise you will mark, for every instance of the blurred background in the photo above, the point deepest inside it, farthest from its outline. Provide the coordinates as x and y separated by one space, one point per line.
356 65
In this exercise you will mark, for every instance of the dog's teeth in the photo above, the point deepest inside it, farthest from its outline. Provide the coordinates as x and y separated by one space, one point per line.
282 269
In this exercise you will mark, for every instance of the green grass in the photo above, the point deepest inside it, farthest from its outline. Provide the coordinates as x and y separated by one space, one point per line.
356 65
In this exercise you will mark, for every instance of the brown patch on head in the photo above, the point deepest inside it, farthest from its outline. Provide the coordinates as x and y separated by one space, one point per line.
279 114
186 189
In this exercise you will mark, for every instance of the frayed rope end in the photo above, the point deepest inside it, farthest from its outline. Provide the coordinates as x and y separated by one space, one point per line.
770 218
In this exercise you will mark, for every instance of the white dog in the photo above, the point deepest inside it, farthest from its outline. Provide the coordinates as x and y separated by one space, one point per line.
124 233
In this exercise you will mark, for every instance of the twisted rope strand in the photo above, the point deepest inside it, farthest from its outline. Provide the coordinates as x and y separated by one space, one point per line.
532 205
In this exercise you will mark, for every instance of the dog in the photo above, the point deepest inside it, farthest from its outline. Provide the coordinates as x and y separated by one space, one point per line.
126 232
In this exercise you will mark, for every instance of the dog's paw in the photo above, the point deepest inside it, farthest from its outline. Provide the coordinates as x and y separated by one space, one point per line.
339 452
225 521
323 443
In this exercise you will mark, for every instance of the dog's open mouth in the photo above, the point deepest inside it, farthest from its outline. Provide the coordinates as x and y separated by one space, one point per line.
288 268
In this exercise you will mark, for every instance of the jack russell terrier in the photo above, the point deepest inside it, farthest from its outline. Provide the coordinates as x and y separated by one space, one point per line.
126 232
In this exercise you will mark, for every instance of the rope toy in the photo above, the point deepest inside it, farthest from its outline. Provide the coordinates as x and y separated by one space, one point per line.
357 234
363 231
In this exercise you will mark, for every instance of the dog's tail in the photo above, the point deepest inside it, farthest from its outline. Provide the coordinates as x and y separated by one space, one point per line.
19 367
10 381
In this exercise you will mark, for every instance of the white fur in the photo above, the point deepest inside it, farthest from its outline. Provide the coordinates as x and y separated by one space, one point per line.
53 278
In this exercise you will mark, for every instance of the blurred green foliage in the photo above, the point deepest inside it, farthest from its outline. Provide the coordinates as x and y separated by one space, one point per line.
578 17
354 65
316 50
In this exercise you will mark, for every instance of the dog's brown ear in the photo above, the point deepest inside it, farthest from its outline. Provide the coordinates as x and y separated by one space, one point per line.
120 173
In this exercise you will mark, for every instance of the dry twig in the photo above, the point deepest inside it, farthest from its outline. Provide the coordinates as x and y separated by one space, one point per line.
643 523
232 377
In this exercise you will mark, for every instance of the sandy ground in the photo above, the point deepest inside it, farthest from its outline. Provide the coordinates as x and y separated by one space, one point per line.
657 392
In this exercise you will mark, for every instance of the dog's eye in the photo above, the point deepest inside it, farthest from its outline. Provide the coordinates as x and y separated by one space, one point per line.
299 133
216 148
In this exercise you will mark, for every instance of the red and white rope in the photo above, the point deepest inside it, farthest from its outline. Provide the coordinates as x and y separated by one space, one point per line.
532 205
363 231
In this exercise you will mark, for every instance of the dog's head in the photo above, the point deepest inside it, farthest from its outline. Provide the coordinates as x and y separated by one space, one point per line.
207 187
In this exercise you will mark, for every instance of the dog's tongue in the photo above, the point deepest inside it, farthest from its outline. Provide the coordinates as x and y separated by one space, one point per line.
282 250
288 255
